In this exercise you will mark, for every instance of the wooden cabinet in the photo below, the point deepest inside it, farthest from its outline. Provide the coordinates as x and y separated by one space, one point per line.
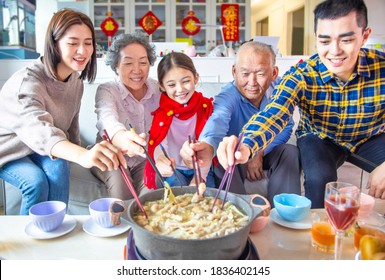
128 12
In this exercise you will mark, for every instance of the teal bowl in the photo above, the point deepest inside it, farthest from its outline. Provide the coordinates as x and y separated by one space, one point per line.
292 207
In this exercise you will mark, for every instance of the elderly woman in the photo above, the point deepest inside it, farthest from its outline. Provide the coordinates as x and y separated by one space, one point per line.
128 100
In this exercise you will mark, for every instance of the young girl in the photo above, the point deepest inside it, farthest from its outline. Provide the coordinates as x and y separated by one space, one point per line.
183 112
39 130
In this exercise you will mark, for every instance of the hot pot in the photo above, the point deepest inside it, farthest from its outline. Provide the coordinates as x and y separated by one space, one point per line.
154 246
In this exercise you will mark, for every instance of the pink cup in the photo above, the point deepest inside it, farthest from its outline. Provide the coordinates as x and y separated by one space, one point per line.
366 203
259 223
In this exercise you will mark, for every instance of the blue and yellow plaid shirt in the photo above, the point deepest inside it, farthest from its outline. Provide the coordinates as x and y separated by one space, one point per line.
347 113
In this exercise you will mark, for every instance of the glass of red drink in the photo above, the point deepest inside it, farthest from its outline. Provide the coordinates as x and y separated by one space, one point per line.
342 201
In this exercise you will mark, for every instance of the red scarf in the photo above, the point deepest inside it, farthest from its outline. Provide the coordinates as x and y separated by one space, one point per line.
163 116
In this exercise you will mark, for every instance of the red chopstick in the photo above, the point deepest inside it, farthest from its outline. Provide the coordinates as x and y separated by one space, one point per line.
228 175
125 177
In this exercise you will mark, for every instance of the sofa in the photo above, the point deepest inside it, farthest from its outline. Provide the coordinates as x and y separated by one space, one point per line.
84 187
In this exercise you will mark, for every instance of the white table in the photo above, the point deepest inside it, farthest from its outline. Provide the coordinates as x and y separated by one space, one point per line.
16 244
274 242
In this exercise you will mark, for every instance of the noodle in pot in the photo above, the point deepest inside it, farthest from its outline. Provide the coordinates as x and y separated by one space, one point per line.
189 217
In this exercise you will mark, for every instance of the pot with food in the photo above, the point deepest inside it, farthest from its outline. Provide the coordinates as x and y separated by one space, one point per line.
186 226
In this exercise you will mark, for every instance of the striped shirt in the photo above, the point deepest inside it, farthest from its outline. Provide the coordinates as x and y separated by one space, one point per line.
348 113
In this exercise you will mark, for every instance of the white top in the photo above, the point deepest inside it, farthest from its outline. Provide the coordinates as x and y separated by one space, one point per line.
116 108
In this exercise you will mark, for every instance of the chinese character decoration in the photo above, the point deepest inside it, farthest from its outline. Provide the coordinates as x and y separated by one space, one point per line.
109 26
230 19
191 24
149 22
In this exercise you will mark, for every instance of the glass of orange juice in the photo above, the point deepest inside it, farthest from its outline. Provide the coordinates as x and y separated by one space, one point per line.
371 223
322 232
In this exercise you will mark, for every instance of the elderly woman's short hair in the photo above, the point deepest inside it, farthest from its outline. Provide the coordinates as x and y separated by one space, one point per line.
123 40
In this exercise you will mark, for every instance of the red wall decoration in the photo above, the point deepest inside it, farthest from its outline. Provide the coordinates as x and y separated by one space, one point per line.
191 24
230 19
109 26
149 22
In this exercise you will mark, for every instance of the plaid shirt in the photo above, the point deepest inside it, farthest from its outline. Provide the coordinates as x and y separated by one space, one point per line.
347 113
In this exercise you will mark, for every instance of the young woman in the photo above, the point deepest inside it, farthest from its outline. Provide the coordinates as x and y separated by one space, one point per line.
128 100
39 130
182 112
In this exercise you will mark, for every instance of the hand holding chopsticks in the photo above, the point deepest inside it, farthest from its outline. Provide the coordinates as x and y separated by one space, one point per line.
228 176
172 166
126 179
150 160
225 152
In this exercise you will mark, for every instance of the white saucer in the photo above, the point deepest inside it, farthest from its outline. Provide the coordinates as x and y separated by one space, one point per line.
67 226
305 223
94 229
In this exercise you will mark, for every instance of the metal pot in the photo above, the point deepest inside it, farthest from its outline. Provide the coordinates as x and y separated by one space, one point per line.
154 246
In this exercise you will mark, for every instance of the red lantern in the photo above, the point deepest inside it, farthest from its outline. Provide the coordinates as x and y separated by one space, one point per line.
191 24
109 26
149 22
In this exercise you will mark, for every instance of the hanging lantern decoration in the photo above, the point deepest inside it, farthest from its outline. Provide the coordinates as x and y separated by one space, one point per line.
230 21
109 26
191 25
149 22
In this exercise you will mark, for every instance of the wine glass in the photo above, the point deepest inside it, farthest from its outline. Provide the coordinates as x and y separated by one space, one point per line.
342 201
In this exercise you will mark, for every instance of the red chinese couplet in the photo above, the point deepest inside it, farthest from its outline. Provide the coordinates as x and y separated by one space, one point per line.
230 19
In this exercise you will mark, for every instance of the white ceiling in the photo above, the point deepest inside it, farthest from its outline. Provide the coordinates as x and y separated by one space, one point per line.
261 3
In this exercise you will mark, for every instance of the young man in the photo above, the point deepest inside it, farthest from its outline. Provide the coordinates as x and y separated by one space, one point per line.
340 92
255 75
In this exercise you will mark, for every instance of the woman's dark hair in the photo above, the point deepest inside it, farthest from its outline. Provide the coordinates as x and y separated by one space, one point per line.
123 40
174 59
59 24
333 9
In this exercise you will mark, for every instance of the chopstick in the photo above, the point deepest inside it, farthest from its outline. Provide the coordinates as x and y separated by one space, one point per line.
196 168
126 179
228 175
172 166
150 159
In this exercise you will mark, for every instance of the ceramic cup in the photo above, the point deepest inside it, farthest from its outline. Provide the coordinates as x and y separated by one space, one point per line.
366 204
99 211
259 223
292 207
48 215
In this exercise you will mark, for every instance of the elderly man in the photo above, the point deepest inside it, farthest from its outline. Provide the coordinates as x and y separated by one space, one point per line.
255 74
